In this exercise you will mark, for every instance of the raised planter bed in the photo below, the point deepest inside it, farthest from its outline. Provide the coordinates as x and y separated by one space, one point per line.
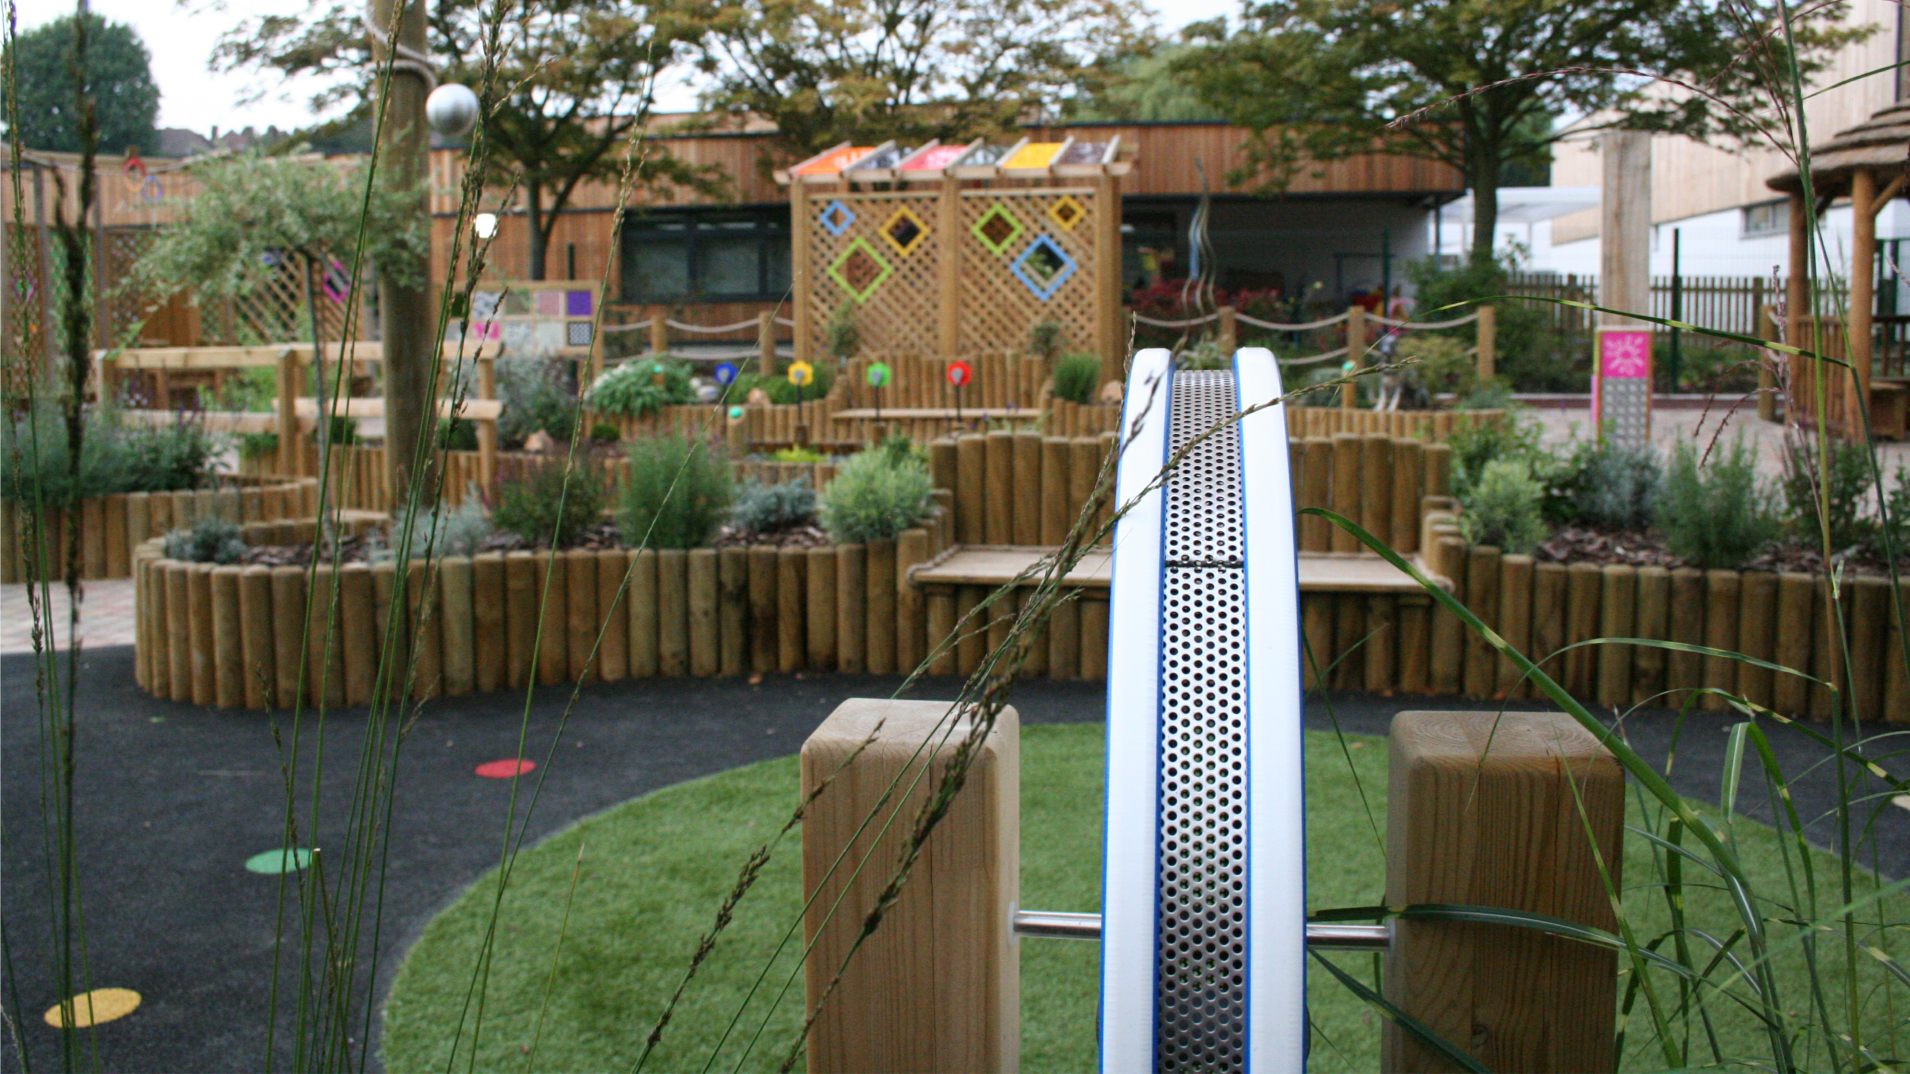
112 526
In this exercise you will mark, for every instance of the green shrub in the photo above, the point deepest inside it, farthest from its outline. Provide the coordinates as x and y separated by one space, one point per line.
451 531
1897 522
533 399
209 540
457 434
537 507
1045 340
1717 515
840 337
113 458
763 508
778 388
255 389
1077 376
1494 394
258 445
676 494
1477 444
873 497
1841 502
605 433
1203 353
1606 484
798 453
1503 507
900 451
1445 364
640 388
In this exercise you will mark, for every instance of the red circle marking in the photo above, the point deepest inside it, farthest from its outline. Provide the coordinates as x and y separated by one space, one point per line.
959 373
505 769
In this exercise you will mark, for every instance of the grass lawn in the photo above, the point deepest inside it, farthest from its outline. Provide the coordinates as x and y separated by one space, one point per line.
654 870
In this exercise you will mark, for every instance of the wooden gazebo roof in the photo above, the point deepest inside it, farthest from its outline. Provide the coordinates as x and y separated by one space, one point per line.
1880 144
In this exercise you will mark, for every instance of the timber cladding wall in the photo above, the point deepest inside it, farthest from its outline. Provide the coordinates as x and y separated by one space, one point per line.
110 527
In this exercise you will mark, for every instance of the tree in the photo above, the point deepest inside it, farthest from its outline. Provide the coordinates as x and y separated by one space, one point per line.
1146 88
826 71
573 79
119 78
1473 81
253 212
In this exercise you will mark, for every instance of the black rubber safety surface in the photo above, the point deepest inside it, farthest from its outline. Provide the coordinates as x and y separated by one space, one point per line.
171 799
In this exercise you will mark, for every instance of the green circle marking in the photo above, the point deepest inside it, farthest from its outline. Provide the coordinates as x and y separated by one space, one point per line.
275 862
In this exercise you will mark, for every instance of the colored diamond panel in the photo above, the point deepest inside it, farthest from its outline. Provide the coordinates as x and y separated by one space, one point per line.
577 303
905 231
859 270
1067 212
998 229
836 218
1043 267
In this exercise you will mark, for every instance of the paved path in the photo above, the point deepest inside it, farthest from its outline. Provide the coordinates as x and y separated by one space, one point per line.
171 799
106 615
1701 428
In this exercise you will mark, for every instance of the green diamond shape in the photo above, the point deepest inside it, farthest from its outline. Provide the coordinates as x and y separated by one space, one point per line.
997 229
859 270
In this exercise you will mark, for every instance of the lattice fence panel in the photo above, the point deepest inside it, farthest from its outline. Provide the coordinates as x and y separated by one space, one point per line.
25 338
1027 256
877 251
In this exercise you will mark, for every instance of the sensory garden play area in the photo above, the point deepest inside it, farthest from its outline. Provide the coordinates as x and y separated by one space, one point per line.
1012 579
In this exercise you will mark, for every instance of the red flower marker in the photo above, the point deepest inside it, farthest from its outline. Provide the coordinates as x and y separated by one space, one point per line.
505 769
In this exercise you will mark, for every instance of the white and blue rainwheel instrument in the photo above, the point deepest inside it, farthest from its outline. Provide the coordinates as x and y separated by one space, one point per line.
1204 908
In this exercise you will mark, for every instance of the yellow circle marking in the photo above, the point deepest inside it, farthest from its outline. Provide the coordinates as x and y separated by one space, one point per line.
93 1008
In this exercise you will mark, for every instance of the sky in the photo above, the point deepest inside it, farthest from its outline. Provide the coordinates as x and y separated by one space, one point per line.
181 38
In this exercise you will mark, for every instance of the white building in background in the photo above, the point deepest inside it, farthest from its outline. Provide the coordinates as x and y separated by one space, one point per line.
1729 223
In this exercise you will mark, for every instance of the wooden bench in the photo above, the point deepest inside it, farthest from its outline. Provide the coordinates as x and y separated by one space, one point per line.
998 565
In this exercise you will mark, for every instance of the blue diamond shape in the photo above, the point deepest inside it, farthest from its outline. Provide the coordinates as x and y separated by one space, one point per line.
1043 286
837 217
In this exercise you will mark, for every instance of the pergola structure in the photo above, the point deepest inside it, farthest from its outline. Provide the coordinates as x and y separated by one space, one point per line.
1868 164
950 250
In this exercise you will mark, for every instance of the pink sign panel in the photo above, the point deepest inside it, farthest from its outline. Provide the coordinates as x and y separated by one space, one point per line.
1624 354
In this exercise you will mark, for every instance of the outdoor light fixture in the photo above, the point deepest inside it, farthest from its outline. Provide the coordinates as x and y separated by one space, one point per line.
452 110
485 224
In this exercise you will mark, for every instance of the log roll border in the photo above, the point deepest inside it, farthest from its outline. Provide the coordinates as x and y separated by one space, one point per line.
231 636
112 526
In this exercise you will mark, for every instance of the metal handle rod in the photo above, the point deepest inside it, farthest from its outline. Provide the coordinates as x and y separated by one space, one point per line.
1055 925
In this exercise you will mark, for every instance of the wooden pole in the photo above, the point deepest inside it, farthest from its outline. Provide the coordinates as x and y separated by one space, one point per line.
641 606
1355 354
705 639
732 611
411 356
1863 293
1493 809
821 609
673 612
791 593
581 616
1488 343
1228 329
1624 280
948 271
937 986
802 220
762 608
999 493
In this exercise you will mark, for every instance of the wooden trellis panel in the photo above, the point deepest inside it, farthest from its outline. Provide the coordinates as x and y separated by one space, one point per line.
1004 288
878 252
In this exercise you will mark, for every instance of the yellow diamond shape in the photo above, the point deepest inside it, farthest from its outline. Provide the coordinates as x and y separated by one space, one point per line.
1067 212
904 231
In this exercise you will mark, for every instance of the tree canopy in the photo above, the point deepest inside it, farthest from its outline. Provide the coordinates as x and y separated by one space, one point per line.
1146 88
573 78
119 78
826 71
252 211
1473 83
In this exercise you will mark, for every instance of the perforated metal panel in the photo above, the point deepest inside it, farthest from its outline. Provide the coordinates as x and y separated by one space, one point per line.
1201 937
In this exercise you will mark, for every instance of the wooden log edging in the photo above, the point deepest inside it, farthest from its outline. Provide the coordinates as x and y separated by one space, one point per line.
223 635
112 526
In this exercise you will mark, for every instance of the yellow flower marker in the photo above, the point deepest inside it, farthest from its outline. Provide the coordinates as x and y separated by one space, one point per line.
93 1008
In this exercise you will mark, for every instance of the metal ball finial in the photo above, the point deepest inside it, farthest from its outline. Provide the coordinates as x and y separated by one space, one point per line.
452 110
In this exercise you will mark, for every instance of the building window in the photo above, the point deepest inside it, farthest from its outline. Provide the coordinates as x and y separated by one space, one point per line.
1767 218
701 256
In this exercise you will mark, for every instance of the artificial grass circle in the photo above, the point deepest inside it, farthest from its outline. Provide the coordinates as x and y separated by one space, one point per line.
578 976
94 1007
278 862
506 768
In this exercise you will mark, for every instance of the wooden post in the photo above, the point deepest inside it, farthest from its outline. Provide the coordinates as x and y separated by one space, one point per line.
998 487
1654 621
490 648
762 608
228 651
1228 329
1345 491
765 343
581 618
358 632
255 636
288 618
705 639
659 334
821 609
791 592
877 598
1482 596
1109 314
673 612
948 270
1617 618
1624 281
291 450
459 653
487 430
1863 292
732 611
1028 489
641 606
937 987
803 219
1355 354
1684 671
1488 343
1514 622
1484 809
970 476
